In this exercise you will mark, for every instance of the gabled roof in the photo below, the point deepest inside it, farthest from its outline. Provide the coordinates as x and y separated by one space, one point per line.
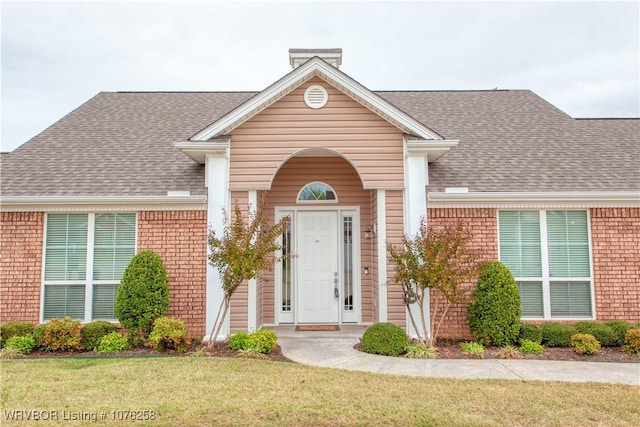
315 67
121 144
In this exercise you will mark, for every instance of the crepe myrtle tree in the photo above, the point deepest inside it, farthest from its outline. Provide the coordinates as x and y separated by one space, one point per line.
438 260
245 248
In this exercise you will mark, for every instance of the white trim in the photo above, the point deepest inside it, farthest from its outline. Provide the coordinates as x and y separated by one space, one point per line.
301 74
199 150
100 204
218 200
431 149
533 200
252 284
88 285
381 213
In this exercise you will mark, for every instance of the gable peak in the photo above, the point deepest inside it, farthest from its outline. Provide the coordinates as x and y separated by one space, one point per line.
298 57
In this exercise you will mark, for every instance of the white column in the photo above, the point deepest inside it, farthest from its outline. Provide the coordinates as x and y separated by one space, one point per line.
416 180
381 237
252 292
217 176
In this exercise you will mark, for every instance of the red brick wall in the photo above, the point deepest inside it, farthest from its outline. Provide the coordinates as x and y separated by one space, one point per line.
180 238
21 238
482 224
615 238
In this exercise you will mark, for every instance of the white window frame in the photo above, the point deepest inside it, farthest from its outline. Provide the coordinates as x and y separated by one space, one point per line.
88 281
546 278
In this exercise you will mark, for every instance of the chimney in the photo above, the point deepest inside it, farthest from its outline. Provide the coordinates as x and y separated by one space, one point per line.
298 57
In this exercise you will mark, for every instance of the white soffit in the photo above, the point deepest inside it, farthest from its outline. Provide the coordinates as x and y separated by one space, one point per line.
101 203
516 200
315 67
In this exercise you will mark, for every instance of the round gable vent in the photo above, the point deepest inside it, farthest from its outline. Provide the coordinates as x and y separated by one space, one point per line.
316 96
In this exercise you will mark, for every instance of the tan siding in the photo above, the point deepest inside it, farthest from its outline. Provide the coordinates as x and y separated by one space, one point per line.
396 311
341 176
240 300
261 145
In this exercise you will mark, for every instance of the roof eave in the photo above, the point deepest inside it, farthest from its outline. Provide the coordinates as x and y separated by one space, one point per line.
567 199
97 203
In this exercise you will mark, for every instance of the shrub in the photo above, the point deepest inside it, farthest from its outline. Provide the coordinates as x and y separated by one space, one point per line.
531 347
63 335
93 332
530 332
112 343
585 344
605 335
620 328
169 333
632 342
494 311
143 294
16 328
239 341
474 348
557 334
22 344
420 350
38 335
386 339
509 352
262 341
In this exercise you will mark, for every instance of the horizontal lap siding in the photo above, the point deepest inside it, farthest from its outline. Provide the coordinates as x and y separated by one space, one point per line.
180 238
339 174
239 311
396 310
482 225
260 145
21 234
615 238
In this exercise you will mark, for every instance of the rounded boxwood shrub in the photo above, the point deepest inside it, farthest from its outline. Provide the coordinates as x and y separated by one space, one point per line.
632 342
21 344
169 333
143 294
605 335
557 334
531 347
262 341
112 343
494 311
239 341
386 339
93 332
63 335
620 328
16 328
530 332
585 344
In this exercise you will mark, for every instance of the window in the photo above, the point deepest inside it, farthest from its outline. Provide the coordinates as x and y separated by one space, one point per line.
85 258
548 254
317 192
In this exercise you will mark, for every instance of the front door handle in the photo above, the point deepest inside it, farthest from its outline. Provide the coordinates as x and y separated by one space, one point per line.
335 292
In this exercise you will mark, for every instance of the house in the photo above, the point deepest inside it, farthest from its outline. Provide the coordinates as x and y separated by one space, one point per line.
557 199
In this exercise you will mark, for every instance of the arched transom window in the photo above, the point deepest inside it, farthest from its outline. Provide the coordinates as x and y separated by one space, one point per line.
317 192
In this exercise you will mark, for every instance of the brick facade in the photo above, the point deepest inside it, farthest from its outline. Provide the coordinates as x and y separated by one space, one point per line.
21 239
482 225
615 238
180 238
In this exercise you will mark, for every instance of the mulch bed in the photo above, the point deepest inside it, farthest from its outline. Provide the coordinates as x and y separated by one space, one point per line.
451 350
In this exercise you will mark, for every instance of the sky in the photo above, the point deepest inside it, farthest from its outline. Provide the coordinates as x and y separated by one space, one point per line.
582 57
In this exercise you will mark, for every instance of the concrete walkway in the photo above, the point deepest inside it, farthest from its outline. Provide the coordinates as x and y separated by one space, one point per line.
335 350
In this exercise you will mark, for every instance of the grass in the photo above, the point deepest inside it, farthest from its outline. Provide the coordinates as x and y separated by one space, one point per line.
206 391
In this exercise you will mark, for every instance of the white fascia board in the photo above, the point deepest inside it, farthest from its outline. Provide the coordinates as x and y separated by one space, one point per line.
314 67
96 203
199 150
433 150
559 199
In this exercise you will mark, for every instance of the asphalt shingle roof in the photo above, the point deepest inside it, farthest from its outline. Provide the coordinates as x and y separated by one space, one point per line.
121 144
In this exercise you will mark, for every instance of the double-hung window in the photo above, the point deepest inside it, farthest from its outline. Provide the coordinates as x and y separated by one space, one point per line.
85 256
548 253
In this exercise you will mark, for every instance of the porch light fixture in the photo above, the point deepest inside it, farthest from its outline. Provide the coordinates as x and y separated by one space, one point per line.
367 233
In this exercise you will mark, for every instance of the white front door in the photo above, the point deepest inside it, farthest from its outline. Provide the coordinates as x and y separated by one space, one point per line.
317 241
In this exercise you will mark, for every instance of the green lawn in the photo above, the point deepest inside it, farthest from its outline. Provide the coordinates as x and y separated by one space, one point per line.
201 391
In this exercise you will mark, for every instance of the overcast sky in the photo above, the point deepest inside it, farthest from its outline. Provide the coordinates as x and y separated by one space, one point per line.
581 57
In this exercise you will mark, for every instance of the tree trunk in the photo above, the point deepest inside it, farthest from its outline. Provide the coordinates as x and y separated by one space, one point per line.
219 320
